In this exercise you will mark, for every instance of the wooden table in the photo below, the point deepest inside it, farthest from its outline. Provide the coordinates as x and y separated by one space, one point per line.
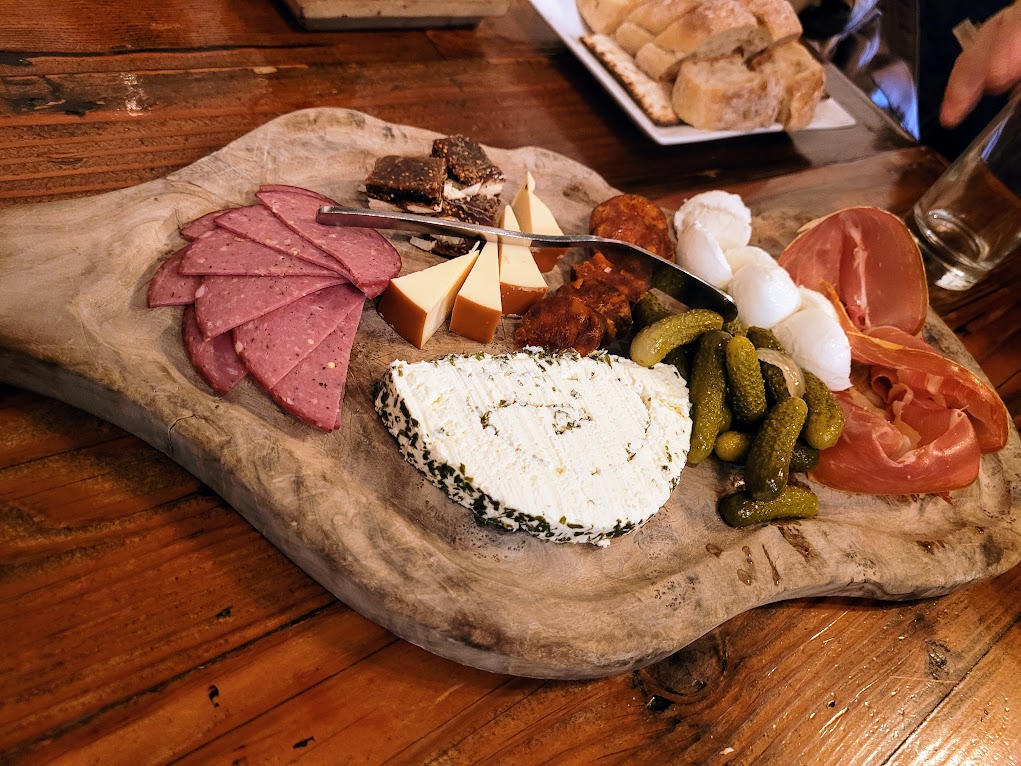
143 620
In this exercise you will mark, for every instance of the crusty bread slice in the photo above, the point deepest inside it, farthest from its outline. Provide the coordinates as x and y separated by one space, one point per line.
714 28
802 79
658 63
725 94
604 16
657 15
632 37
653 97
777 17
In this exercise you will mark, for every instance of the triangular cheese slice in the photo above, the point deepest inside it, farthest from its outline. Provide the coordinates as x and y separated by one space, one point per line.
416 304
521 283
535 217
477 307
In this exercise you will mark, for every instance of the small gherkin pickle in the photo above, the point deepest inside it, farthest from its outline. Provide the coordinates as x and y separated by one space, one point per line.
652 343
804 458
742 510
825 420
708 390
763 338
747 390
668 280
728 418
776 383
733 446
678 357
648 310
735 327
769 459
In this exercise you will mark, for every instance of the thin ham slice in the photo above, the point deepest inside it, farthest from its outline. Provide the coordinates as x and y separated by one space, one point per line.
215 359
272 345
369 260
257 223
314 390
168 287
870 258
222 303
223 253
195 229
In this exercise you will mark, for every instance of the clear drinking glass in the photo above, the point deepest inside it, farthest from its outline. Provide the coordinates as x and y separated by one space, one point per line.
970 219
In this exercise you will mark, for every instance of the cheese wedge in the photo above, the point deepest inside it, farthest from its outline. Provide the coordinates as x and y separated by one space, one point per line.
521 283
416 304
535 217
477 307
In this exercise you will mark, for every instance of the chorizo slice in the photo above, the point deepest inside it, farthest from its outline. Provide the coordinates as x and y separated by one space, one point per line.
633 218
607 301
560 322
632 275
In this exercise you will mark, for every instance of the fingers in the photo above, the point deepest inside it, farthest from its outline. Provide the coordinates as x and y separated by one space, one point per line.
992 64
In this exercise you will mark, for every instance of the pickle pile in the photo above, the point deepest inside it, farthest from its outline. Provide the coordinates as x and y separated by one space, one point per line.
743 408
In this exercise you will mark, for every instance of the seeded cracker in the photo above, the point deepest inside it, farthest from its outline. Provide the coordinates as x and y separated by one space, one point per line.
412 183
469 166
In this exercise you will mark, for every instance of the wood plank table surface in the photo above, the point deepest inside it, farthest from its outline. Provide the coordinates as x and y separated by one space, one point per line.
142 620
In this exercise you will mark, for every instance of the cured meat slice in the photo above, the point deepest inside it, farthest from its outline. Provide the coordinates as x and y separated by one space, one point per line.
222 303
366 256
314 390
274 343
195 229
220 252
215 359
168 287
297 190
257 223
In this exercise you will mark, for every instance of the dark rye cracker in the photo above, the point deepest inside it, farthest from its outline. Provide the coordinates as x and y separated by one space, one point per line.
413 183
653 97
467 162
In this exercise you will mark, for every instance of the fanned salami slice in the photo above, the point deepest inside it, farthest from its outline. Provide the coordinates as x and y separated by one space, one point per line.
314 390
220 252
222 303
297 190
274 343
215 359
257 223
195 229
370 260
168 287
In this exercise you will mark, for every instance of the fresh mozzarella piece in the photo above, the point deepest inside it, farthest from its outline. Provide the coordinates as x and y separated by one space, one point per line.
567 448
814 339
813 299
764 295
700 253
723 214
749 255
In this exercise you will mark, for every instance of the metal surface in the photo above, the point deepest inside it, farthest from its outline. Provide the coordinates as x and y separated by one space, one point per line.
692 290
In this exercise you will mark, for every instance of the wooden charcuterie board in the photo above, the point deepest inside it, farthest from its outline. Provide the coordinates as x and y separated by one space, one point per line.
347 508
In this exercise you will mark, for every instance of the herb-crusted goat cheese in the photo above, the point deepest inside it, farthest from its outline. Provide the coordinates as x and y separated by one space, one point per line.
569 449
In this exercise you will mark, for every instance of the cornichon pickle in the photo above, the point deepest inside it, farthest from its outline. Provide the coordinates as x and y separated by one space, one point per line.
735 327
648 310
668 280
733 446
728 418
678 357
804 458
825 419
747 391
652 343
742 510
769 459
776 383
708 390
763 338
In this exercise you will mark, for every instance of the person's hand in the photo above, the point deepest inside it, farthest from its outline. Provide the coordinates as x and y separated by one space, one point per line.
992 64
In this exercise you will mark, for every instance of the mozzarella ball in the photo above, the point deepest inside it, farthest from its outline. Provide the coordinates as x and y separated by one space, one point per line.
723 214
814 339
764 295
813 299
748 255
700 253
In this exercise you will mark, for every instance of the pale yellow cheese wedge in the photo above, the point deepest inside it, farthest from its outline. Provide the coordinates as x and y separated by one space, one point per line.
416 304
477 307
521 283
534 216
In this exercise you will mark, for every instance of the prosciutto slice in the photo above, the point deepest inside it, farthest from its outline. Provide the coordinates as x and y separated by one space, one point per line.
369 261
870 258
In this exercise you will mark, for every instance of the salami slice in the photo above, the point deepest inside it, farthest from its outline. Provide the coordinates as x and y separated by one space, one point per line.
215 359
168 287
198 227
220 252
366 256
274 343
222 303
257 223
314 390
297 190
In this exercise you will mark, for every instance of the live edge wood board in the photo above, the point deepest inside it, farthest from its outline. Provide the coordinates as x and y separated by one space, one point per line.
347 508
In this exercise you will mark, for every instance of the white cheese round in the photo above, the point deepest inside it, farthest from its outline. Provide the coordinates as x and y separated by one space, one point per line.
569 449
723 214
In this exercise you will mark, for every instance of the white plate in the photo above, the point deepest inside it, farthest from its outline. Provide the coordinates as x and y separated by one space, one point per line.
563 16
